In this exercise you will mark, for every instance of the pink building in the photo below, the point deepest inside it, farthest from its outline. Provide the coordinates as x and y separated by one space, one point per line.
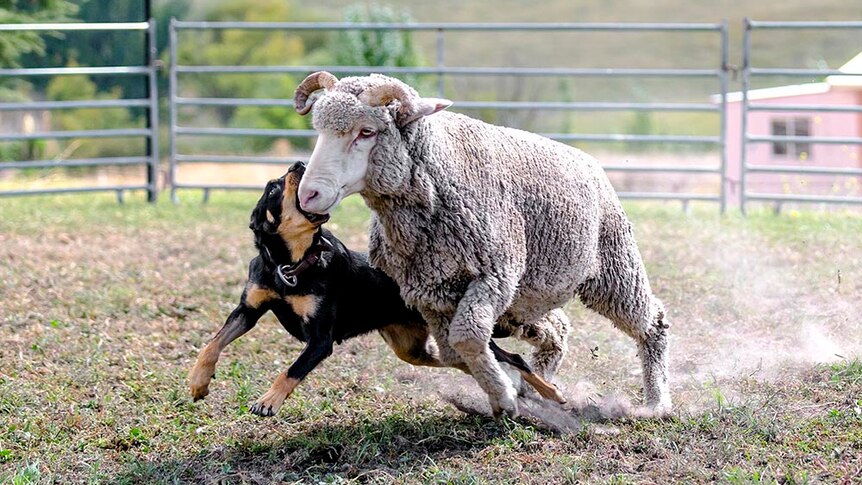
838 90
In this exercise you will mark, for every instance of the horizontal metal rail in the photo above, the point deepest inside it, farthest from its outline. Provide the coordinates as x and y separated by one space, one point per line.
827 140
599 137
545 27
191 131
474 71
804 24
633 138
822 108
98 103
218 186
668 196
264 160
72 190
69 71
805 170
111 133
660 168
509 105
79 162
69 27
587 106
826 199
801 72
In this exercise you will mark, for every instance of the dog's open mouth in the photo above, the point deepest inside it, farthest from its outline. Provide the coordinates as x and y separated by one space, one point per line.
315 219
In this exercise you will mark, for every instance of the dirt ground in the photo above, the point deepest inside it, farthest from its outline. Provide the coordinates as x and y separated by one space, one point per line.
104 307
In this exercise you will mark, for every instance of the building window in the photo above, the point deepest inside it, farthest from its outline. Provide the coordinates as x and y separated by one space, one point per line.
791 127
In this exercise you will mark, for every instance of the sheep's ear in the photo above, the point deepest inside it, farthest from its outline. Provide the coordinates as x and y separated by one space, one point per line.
425 107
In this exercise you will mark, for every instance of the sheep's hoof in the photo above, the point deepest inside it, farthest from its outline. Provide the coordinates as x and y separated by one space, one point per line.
659 410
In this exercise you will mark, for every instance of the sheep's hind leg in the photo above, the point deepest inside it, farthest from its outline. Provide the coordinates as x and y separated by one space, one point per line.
621 292
469 333
549 337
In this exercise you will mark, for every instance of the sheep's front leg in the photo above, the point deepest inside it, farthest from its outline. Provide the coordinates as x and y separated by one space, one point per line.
469 333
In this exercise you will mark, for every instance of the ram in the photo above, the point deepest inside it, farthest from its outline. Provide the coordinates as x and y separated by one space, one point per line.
480 224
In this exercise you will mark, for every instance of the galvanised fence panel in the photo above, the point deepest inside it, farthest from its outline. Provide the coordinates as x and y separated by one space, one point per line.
790 106
149 70
719 73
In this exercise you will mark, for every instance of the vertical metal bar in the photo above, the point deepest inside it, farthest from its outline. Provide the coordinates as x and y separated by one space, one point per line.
152 113
440 63
746 73
172 98
725 42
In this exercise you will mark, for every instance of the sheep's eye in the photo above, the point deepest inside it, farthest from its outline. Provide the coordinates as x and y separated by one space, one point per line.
367 132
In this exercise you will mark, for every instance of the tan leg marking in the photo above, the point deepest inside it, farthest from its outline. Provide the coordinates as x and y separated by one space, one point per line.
255 296
304 306
543 387
271 402
411 344
203 371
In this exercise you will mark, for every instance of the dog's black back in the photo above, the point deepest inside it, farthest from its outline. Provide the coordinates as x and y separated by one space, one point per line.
350 295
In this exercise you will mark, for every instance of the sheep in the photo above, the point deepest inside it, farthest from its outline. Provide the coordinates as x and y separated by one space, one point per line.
480 224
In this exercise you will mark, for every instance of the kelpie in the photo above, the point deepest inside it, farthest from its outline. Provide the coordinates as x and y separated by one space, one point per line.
322 293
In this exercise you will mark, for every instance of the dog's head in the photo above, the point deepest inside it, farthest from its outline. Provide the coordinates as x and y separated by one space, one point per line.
278 210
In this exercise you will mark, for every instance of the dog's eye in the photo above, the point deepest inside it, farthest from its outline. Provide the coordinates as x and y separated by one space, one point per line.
273 191
367 132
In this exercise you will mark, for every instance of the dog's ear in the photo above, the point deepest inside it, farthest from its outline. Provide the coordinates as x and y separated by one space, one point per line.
262 219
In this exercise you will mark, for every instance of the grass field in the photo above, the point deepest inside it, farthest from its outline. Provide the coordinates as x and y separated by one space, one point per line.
104 307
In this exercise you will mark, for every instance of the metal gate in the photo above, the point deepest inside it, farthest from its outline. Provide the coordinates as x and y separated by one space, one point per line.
149 69
780 140
719 73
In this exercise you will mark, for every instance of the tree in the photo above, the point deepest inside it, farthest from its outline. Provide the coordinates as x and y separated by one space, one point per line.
390 48
14 45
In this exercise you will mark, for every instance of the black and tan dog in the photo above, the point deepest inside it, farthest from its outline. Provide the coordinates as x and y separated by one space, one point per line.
322 293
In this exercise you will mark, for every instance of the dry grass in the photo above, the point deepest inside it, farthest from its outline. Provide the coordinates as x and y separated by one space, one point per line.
103 307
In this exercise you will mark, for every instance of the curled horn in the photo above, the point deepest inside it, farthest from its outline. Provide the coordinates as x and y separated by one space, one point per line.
385 93
312 83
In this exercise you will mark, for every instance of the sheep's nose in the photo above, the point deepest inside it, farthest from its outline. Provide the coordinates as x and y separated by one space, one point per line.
308 196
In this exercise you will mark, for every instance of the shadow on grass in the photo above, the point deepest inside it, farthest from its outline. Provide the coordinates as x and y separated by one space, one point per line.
390 446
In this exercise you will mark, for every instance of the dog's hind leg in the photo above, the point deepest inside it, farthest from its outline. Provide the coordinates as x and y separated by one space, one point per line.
543 387
412 344
242 319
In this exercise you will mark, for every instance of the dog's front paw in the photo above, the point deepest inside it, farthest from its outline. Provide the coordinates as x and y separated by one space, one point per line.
271 402
199 382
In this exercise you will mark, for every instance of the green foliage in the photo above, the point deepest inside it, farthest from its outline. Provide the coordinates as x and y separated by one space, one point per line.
99 48
78 87
376 47
14 45
249 47
389 48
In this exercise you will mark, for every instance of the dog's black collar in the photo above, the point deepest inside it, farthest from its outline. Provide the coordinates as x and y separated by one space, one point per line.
288 273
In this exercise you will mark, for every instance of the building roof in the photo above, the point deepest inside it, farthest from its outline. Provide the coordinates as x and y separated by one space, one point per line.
853 66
